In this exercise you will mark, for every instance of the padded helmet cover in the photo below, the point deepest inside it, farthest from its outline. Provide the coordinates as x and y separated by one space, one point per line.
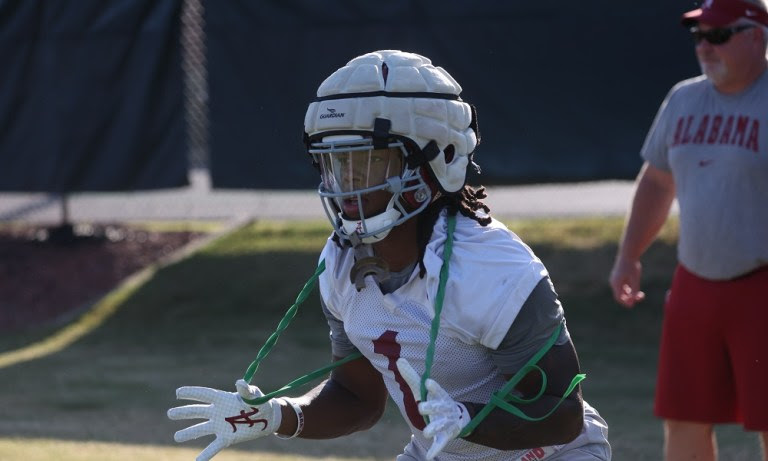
420 100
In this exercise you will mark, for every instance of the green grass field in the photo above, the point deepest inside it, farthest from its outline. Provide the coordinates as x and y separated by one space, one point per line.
201 321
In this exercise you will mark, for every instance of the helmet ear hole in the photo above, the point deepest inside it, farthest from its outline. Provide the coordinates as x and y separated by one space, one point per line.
449 152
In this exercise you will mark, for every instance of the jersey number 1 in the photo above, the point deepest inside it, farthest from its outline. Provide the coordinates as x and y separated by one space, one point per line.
387 346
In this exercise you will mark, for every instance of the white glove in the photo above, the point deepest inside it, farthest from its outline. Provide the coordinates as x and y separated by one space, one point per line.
447 417
229 418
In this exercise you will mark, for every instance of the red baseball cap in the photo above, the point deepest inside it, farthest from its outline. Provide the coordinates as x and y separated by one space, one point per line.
718 13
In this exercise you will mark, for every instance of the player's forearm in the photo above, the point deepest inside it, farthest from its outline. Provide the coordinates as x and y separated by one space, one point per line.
504 431
330 411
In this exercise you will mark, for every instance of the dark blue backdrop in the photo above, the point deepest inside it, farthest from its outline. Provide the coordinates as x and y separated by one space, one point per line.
90 95
91 90
565 90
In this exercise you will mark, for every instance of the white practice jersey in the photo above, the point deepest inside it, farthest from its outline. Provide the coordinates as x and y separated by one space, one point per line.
492 272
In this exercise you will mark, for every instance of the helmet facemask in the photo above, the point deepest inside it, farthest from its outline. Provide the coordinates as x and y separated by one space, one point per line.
364 188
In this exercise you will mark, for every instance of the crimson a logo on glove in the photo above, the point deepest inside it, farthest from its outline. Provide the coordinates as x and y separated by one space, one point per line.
245 418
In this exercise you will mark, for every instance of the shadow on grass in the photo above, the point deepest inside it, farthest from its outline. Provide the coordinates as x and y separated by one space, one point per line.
203 320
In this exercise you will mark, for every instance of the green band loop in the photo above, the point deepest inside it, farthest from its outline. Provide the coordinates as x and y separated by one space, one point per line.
525 370
502 397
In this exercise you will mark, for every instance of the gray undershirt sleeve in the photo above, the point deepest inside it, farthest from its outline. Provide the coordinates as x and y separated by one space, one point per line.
534 325
341 346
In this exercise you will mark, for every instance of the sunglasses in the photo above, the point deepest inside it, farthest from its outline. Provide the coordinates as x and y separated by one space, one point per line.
717 36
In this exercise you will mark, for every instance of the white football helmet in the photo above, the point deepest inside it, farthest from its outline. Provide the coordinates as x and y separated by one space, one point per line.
388 121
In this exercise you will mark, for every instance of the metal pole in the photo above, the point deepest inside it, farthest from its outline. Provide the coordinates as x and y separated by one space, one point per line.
195 68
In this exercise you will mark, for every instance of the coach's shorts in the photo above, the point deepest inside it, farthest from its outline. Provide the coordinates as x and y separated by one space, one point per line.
713 362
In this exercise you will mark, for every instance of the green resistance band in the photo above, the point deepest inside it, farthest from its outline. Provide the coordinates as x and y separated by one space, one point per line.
272 340
503 400
500 398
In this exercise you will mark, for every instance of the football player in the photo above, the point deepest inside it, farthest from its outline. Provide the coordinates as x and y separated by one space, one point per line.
393 142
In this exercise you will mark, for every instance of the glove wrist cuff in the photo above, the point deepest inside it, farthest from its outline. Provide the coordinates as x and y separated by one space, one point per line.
299 420
465 419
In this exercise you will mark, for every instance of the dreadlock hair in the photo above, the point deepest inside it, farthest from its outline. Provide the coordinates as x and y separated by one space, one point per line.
466 201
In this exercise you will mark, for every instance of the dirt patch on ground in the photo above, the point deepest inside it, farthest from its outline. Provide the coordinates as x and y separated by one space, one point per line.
47 273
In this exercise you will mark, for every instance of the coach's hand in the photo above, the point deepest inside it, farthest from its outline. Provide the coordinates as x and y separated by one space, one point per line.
229 418
625 281
447 417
